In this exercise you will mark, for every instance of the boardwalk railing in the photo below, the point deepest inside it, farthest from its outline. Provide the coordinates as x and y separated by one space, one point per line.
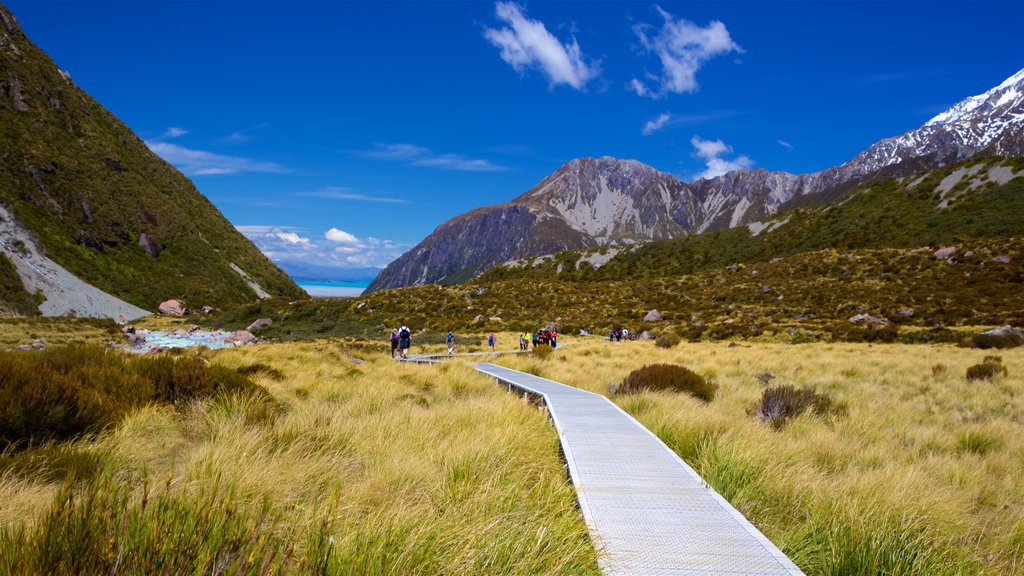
646 509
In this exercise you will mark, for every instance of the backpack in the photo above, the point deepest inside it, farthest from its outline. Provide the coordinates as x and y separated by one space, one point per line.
404 334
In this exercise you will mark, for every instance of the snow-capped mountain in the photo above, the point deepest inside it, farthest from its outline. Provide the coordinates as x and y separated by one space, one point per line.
599 202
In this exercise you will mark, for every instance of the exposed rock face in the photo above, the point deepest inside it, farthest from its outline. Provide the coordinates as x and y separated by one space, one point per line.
259 324
589 202
653 316
149 245
944 253
173 308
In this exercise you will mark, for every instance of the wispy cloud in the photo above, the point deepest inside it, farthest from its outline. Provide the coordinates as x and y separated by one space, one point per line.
711 152
174 132
682 47
785 145
342 193
202 163
421 156
899 75
526 44
658 123
337 248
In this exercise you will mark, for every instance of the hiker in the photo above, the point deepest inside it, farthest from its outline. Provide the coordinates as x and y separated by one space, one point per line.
404 340
451 342
554 339
625 334
536 339
490 341
394 342
526 341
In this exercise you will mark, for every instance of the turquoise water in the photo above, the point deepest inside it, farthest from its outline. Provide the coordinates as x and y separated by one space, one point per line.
333 289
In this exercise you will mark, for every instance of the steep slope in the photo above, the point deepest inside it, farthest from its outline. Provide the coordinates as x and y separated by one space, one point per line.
602 202
101 205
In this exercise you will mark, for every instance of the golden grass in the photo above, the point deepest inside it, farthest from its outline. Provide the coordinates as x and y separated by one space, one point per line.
411 469
925 474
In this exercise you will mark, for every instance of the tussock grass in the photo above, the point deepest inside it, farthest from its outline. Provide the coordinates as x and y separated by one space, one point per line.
372 468
923 475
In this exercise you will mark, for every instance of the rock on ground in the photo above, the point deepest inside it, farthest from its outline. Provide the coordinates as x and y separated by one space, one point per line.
173 308
653 316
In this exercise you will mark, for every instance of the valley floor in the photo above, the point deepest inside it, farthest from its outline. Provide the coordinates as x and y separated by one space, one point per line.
374 467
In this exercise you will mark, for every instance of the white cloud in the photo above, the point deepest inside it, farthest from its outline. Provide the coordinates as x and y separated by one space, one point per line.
682 47
342 193
203 163
526 43
174 132
421 156
337 235
658 123
340 250
785 145
711 151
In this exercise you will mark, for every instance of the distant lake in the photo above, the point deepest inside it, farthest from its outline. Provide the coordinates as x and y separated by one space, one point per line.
333 289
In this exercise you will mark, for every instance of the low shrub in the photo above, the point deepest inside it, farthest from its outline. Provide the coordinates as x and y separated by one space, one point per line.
670 378
997 341
989 368
64 392
780 404
261 368
542 352
667 340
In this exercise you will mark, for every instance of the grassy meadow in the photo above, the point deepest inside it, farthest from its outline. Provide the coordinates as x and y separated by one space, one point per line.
923 474
354 467
359 465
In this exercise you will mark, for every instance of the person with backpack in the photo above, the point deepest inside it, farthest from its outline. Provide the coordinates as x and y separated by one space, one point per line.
490 341
404 341
451 342
394 342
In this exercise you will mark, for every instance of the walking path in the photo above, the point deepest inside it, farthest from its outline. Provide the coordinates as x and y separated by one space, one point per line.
647 510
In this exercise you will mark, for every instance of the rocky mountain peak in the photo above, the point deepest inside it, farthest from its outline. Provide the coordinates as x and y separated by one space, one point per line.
591 202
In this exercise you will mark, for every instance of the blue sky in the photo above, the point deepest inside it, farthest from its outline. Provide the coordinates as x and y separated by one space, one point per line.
340 134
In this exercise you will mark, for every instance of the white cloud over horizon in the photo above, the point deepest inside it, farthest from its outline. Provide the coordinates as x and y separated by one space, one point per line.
711 152
203 163
339 249
682 48
415 155
658 123
526 44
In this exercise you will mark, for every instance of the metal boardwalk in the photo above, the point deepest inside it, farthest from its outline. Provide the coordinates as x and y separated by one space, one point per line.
648 512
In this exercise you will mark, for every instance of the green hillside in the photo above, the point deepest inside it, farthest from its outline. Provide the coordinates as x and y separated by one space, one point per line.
88 189
884 214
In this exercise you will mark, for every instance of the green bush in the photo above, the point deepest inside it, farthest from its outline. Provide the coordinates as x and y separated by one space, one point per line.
780 404
989 368
63 392
997 341
670 378
667 340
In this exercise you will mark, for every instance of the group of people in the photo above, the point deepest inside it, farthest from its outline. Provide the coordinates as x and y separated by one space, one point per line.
401 339
620 334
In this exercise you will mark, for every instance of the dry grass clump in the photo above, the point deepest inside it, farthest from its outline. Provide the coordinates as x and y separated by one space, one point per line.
542 352
668 378
367 468
780 404
924 475
261 368
667 340
988 369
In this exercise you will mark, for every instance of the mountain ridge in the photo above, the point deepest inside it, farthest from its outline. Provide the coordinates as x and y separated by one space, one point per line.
591 202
